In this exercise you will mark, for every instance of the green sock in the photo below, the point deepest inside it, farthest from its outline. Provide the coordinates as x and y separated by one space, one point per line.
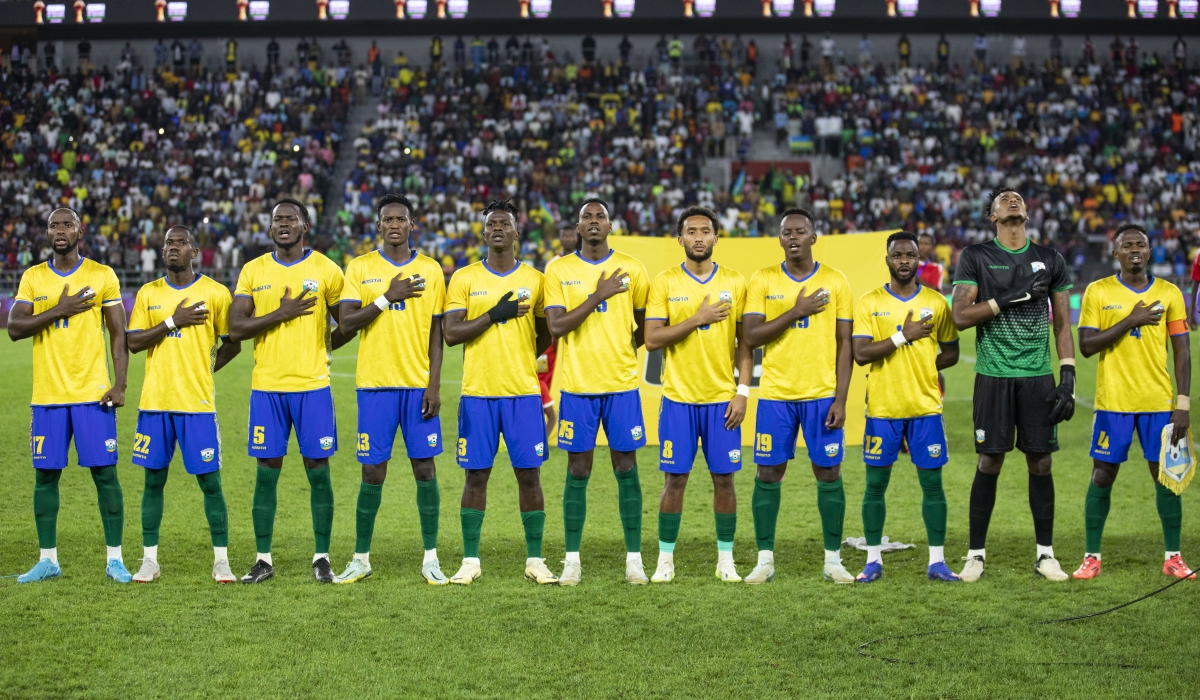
574 510
874 505
429 505
726 529
112 504
214 508
369 496
535 526
933 506
668 530
152 505
764 504
1095 513
629 502
263 510
472 525
1170 511
831 504
45 506
320 499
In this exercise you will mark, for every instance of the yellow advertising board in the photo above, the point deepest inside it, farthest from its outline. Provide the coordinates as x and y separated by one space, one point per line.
859 256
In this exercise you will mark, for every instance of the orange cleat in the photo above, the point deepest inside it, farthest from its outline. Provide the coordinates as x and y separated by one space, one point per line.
1175 567
1090 568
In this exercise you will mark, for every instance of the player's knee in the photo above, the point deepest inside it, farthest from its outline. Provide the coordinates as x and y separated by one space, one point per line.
424 469
675 483
1038 464
771 474
623 461
315 463
374 474
828 474
1104 474
579 464
990 464
272 463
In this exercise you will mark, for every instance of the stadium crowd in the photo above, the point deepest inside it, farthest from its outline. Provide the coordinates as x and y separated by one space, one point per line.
136 150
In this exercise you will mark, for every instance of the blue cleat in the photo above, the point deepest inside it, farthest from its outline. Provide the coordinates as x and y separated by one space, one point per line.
872 572
44 570
116 571
941 572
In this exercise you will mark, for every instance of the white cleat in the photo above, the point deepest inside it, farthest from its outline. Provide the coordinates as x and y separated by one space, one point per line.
537 571
222 573
466 574
763 573
149 571
837 573
572 572
1048 568
635 574
665 573
727 572
973 571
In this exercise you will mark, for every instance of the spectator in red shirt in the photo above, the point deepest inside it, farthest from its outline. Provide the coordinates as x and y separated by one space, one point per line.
930 272
1195 287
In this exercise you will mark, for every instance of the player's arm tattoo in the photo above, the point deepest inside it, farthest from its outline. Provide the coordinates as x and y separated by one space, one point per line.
966 309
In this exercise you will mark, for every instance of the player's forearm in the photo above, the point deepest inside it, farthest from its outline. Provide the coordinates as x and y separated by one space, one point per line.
436 351
845 364
229 349
948 357
1093 341
356 318
745 362
867 351
459 331
1060 304
563 322
544 337
760 332
22 324
120 360
138 341
1181 347
971 314
639 329
250 327
659 335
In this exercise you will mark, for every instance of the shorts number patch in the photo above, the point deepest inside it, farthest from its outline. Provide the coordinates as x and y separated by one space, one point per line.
260 435
38 441
668 450
762 442
566 430
141 444
1102 441
364 442
873 445
462 447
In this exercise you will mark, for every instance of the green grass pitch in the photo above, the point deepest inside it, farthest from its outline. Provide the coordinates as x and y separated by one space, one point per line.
393 635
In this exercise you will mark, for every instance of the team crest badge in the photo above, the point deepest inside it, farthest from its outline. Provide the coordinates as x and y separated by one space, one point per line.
110 445
326 443
1037 266
540 449
831 449
935 451
310 286
523 294
432 439
926 313
637 432
979 435
207 454
735 456
726 297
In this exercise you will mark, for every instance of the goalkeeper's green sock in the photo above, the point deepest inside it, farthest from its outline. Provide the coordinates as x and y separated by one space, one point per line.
263 511
369 496
320 499
1170 511
1095 513
831 504
152 509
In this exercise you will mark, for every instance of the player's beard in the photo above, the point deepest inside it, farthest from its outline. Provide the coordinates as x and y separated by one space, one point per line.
286 246
177 267
1013 219
903 281
702 257
67 249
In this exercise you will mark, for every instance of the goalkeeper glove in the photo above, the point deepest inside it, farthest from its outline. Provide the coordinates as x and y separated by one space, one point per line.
1062 399
504 309
1025 287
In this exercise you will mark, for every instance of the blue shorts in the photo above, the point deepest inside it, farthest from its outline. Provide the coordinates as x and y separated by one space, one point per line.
93 426
580 417
381 412
682 425
273 413
1112 435
926 438
519 418
776 427
198 435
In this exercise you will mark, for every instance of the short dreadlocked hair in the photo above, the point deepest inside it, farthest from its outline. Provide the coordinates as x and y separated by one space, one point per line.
400 199
505 205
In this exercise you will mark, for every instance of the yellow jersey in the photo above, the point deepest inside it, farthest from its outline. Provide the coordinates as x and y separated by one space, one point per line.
598 357
699 368
801 364
70 358
904 384
1132 374
293 356
393 351
179 369
502 362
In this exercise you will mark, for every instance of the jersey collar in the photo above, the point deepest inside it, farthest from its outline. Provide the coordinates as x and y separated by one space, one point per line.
1149 284
194 281
302 258
888 287
783 266
595 262
1018 251
68 273
506 274
683 266
412 256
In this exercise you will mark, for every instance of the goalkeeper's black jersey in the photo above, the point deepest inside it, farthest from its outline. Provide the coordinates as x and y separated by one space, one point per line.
1017 342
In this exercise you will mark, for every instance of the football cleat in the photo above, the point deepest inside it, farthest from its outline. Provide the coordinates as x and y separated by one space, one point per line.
836 573
537 571
727 572
149 571
973 571
323 571
431 571
634 573
222 573
44 570
261 571
466 574
1175 567
1048 568
938 571
763 573
356 570
116 571
1090 568
665 573
871 573
572 572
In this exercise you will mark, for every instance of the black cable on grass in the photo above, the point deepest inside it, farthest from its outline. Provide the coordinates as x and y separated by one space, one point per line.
861 648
